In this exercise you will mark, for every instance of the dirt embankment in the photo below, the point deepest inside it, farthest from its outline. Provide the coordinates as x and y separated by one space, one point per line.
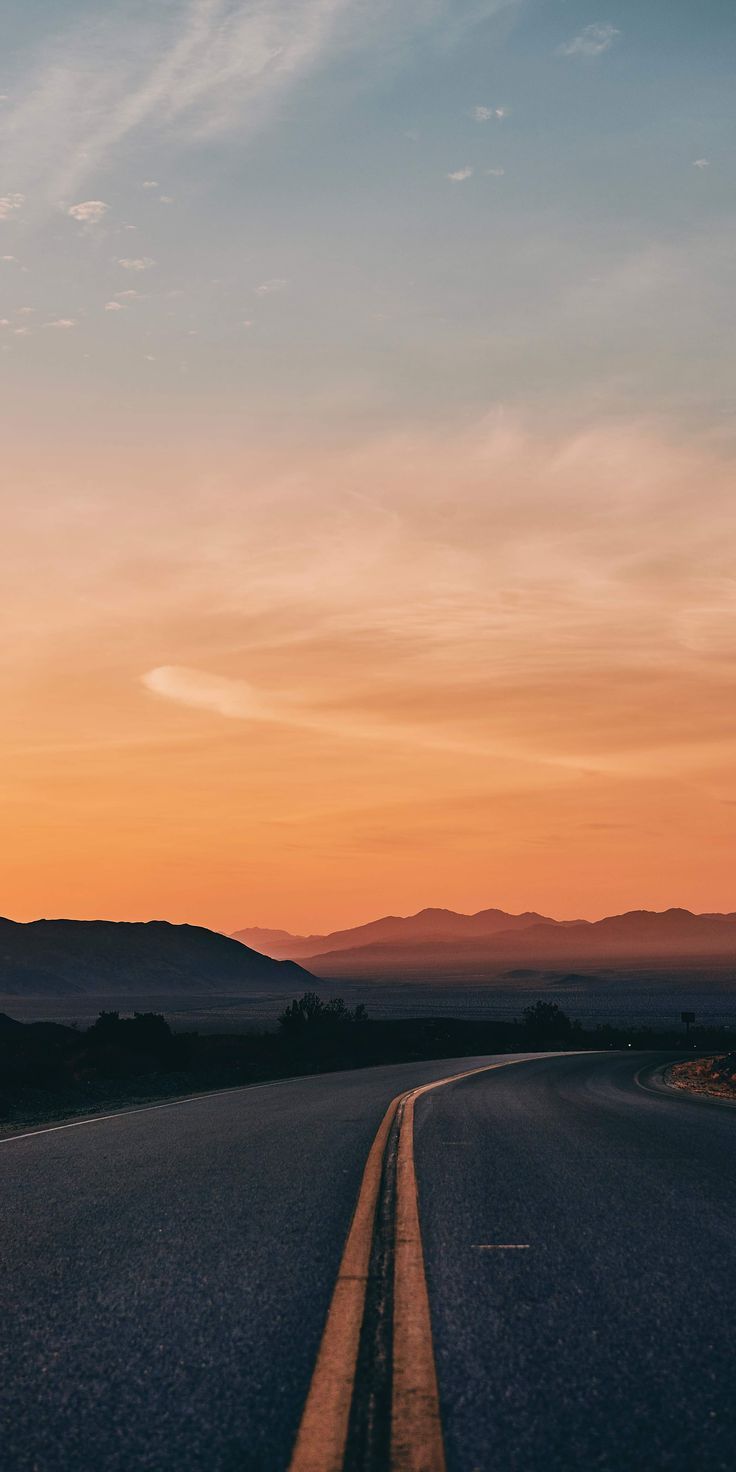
715 1076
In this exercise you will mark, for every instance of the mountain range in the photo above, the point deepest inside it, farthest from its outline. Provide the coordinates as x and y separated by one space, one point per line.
58 958
427 925
115 960
442 941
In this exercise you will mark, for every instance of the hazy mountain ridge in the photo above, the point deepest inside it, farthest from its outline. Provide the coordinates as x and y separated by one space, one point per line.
430 923
492 937
106 957
116 959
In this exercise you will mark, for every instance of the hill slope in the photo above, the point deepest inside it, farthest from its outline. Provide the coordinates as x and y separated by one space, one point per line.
115 958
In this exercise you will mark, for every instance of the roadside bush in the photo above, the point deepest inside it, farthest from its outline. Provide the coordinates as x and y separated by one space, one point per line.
546 1022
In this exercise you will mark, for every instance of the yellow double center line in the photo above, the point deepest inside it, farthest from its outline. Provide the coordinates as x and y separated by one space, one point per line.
416 1427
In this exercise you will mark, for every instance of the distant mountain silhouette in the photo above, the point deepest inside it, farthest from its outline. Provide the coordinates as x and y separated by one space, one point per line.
440 941
430 924
57 958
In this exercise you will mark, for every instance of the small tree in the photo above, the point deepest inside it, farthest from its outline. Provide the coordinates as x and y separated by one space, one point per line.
300 1014
106 1027
309 1014
547 1021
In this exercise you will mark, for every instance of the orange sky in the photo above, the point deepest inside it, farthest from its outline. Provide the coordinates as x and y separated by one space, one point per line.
366 485
480 667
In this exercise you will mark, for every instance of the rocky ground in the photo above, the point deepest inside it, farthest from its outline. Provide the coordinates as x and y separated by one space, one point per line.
706 1075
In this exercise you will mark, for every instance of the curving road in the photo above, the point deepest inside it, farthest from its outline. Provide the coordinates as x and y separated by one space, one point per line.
608 1342
166 1274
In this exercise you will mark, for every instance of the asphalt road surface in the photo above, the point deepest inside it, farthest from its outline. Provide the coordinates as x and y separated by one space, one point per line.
610 1340
165 1275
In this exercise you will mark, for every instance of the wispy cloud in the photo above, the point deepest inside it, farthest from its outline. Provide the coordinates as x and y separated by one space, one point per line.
193 67
10 204
386 580
484 114
62 322
268 288
225 697
701 163
591 41
90 212
114 307
459 175
190 69
239 700
485 593
136 263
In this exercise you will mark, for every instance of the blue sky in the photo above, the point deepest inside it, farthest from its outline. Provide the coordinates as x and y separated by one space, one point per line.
287 170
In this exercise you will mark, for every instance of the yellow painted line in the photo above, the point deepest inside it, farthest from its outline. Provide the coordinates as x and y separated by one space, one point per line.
416 1431
323 1432
416 1425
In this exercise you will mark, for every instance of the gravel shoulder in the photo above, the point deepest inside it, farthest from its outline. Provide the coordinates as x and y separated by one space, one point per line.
715 1076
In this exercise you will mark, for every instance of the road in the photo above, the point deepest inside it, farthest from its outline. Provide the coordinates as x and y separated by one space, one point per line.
608 1342
166 1275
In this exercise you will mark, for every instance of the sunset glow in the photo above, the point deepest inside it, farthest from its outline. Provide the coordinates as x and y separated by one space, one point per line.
368 469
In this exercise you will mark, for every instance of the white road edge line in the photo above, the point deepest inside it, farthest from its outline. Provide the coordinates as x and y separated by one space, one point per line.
75 1124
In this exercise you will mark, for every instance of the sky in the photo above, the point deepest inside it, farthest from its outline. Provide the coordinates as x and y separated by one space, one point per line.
367 489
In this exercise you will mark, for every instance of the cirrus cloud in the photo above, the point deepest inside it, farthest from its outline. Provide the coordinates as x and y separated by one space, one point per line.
593 40
239 700
189 70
